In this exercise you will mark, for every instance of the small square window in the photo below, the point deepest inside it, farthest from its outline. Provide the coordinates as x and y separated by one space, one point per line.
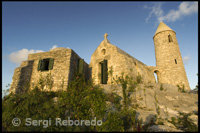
45 64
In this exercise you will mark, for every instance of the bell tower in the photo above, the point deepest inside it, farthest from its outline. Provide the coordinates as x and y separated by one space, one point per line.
168 57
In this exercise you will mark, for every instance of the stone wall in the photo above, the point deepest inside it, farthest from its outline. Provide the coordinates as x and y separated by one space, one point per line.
120 61
169 59
73 66
21 77
64 67
60 71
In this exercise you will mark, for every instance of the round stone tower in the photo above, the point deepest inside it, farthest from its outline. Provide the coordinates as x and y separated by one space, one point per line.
168 57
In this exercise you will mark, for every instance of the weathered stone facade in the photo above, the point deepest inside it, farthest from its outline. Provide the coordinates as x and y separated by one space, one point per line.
119 61
64 67
169 63
107 62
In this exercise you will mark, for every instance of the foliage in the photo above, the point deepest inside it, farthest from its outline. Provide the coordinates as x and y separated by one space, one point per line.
6 91
81 101
139 79
161 87
184 123
49 81
128 86
110 72
159 121
115 99
156 104
124 82
181 88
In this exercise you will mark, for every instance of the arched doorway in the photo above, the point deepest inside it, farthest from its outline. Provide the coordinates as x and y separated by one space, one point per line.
157 75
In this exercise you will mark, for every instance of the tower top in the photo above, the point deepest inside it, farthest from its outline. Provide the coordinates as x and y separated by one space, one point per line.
162 27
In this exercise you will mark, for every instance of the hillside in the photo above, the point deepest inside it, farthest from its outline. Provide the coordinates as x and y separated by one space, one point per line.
127 105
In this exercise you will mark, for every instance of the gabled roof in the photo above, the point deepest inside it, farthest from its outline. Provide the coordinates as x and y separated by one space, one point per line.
162 27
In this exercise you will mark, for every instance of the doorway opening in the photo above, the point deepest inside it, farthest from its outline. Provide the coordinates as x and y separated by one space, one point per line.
156 74
104 73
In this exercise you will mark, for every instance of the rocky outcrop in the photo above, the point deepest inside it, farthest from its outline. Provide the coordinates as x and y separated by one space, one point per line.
156 102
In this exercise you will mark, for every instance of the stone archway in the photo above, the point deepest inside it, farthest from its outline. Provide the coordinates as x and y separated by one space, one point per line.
157 76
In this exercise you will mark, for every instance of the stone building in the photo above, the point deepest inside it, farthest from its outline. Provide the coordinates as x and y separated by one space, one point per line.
169 64
109 58
61 63
107 62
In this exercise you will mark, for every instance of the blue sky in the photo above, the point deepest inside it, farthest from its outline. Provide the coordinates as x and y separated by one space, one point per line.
29 27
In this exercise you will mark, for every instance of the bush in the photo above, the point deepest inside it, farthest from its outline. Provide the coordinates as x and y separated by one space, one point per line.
181 88
139 79
183 122
81 101
161 87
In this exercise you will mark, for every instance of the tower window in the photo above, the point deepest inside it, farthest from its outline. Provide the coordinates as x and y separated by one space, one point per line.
175 61
170 38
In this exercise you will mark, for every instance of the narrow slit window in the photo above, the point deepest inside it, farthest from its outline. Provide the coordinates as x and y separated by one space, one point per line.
175 61
170 38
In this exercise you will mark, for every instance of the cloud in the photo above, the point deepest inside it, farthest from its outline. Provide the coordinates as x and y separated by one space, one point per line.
186 59
21 55
54 46
155 10
184 9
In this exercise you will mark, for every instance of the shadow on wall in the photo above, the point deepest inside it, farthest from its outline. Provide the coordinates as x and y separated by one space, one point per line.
25 78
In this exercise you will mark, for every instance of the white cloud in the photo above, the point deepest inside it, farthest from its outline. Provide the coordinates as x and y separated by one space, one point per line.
186 59
184 9
21 55
54 46
155 10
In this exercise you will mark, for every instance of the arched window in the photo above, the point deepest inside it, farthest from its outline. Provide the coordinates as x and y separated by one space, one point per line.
157 74
170 38
103 51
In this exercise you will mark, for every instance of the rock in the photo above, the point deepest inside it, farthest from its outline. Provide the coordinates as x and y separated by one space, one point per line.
194 119
163 128
55 99
170 103
169 124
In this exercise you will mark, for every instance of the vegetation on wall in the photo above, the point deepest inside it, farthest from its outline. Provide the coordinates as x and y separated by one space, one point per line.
181 88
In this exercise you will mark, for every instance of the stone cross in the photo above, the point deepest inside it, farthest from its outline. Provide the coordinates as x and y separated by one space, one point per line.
105 36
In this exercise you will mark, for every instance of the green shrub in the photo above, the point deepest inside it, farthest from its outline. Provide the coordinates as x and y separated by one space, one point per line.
81 101
181 88
139 79
183 122
161 87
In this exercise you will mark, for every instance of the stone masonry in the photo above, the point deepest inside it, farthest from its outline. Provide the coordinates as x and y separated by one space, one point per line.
64 67
119 62
107 62
169 61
